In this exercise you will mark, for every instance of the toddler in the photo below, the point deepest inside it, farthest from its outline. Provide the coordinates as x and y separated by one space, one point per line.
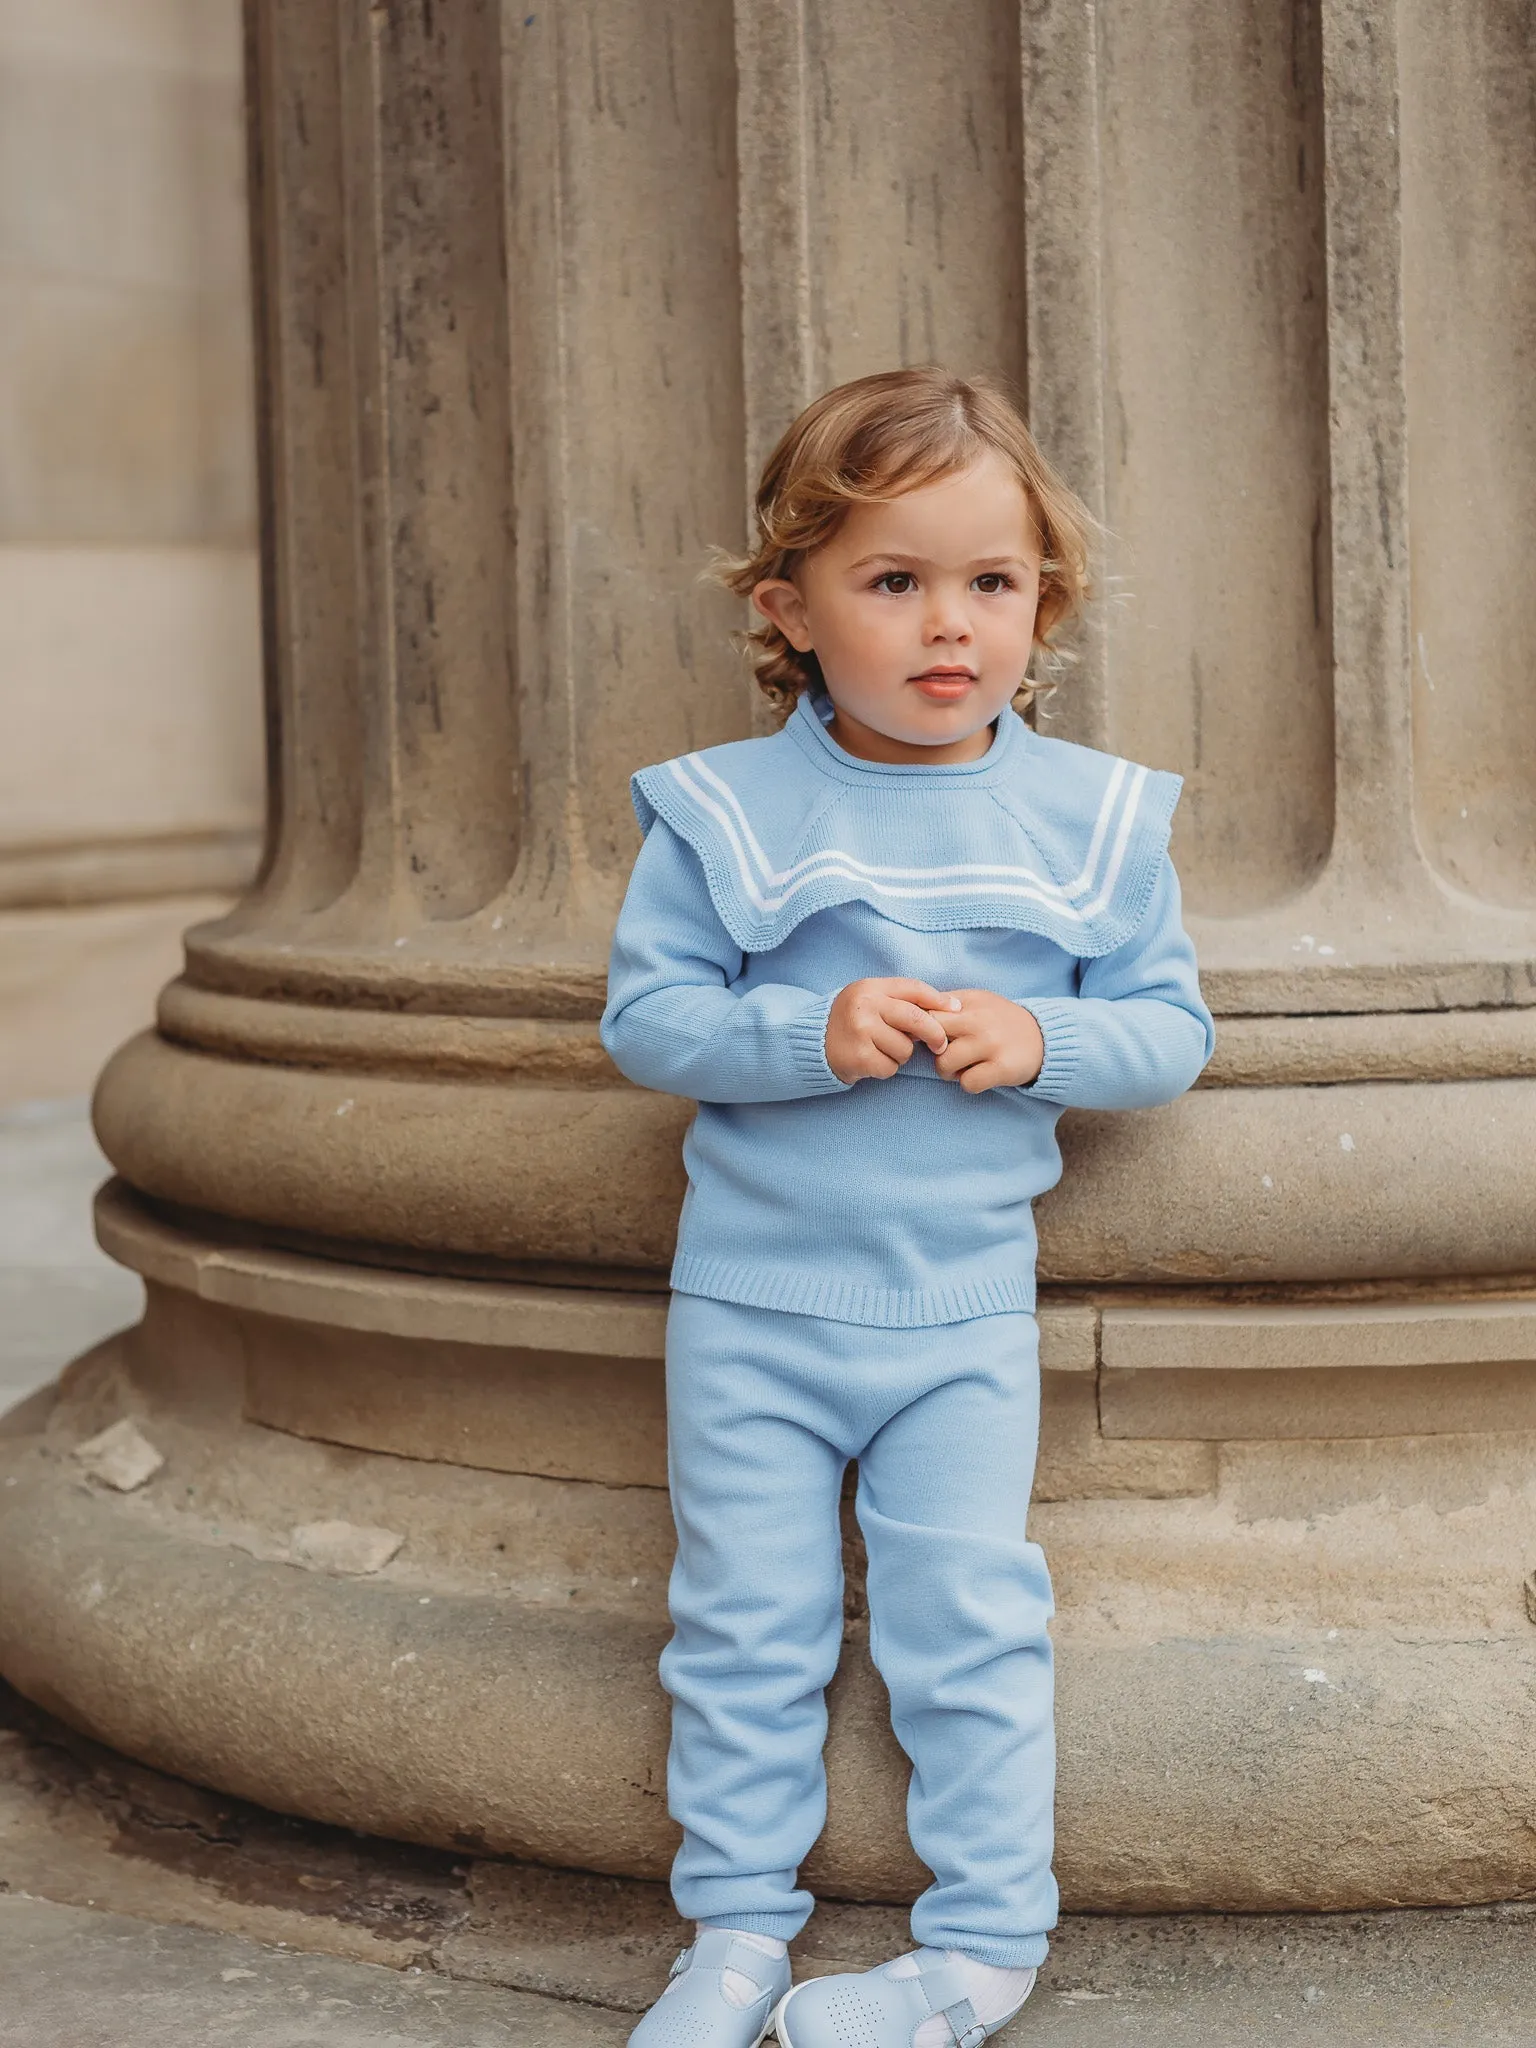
882 949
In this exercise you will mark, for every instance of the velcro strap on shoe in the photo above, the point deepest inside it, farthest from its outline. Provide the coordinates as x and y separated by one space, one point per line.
942 1982
752 1963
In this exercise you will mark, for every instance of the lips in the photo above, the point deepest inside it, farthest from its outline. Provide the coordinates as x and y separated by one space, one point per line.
945 685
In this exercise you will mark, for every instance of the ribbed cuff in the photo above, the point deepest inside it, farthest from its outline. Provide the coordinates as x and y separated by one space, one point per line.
1027 1953
782 1926
807 1038
1057 1017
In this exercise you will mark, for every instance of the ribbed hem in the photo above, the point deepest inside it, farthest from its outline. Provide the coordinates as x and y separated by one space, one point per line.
1025 1952
838 1301
780 1926
1057 1017
807 1040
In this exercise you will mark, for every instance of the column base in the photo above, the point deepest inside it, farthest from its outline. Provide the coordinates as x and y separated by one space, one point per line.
1319 1707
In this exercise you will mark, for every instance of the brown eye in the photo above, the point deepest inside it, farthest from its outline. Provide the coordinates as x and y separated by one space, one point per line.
895 582
992 581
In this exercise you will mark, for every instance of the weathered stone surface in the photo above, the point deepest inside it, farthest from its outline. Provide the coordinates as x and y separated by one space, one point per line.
121 1456
82 1979
1280 1336
1366 1763
1271 1184
345 1547
1407 1400
77 1979
1252 1052
1079 1459
78 1824
1361 1668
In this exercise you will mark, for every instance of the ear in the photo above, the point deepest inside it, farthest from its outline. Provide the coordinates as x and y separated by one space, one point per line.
782 605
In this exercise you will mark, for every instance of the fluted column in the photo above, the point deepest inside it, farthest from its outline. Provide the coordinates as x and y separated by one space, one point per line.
536 293
503 422
1245 350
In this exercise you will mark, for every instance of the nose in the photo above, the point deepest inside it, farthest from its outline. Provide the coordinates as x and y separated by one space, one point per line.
947 620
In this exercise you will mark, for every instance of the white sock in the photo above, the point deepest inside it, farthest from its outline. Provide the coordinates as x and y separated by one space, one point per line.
739 1990
995 1994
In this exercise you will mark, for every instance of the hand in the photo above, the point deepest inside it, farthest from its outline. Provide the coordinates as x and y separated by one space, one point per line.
993 1043
873 1026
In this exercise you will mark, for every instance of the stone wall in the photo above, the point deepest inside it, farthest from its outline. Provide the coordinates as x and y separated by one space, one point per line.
130 774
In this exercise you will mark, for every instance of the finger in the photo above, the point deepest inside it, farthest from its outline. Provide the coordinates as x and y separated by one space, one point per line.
870 1065
958 1055
918 1023
970 1040
894 1044
922 992
985 1074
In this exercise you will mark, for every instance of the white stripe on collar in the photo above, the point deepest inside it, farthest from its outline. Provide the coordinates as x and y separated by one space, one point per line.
966 878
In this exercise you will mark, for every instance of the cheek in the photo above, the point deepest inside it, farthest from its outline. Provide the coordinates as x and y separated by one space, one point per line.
1012 625
861 637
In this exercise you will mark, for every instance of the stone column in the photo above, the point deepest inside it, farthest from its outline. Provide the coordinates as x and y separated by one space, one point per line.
536 292
1278 321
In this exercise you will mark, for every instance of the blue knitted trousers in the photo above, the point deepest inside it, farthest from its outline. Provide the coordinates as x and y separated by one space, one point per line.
765 1409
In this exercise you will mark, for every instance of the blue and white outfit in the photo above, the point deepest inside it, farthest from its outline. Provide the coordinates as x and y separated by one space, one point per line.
855 1272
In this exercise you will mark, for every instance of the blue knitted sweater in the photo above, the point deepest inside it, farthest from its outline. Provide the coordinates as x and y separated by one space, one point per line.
775 871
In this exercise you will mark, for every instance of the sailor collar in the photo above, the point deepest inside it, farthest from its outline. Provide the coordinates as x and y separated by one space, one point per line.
1036 835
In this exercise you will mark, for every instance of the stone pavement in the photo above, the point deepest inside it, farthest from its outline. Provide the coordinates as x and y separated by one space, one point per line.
79 1979
76 1979
134 1908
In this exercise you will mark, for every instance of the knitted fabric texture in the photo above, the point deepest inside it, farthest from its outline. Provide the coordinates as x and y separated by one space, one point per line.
764 1412
776 871
1036 834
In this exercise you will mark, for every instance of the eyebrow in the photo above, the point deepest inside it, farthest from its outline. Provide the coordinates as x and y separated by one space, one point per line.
982 562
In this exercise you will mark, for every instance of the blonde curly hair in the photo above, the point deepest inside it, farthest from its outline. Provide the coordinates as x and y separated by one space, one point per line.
872 440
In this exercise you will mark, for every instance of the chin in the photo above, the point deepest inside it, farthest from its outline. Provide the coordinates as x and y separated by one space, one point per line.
945 723
917 722
940 736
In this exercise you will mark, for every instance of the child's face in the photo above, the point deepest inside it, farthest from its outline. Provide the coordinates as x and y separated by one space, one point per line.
921 612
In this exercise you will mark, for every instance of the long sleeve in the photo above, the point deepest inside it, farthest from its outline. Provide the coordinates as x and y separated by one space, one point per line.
673 1021
1138 1031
